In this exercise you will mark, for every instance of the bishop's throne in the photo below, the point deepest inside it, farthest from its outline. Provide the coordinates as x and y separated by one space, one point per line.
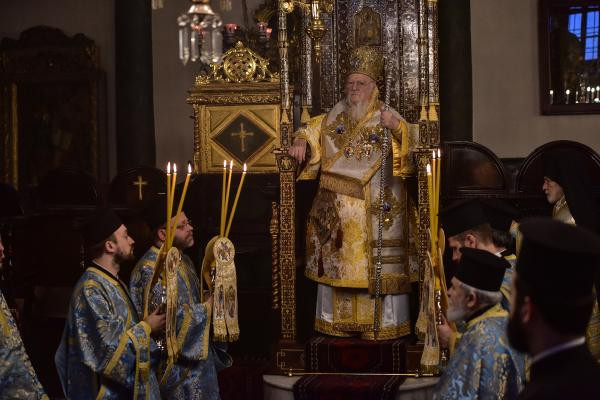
329 332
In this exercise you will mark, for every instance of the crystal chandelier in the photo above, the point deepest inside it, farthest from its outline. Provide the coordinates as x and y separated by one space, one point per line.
200 36
156 4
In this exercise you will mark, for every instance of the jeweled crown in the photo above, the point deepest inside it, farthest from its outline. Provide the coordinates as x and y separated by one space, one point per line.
367 60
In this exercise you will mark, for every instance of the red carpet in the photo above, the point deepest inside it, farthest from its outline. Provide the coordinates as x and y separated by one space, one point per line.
243 380
343 387
329 354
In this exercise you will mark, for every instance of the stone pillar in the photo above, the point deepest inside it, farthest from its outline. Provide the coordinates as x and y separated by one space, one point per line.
456 83
134 94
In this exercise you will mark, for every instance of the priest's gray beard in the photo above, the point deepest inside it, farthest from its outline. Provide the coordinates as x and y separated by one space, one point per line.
357 110
458 312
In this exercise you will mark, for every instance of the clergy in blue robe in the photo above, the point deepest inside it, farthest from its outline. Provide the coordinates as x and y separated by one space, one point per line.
194 374
17 377
105 351
483 365
478 223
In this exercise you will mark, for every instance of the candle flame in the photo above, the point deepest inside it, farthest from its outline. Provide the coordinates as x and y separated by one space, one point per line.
428 169
169 167
225 164
189 168
174 168
231 164
439 153
433 154
245 169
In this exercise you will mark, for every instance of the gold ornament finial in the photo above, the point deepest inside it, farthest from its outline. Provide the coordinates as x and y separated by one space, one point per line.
367 60
240 64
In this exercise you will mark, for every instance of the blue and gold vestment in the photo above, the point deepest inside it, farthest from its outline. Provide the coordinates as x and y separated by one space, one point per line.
17 377
194 374
483 366
105 351
507 280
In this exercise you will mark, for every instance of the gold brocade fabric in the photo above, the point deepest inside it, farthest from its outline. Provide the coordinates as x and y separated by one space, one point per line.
562 213
343 221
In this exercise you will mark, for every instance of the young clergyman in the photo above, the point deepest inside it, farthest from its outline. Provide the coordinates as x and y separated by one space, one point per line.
193 376
105 351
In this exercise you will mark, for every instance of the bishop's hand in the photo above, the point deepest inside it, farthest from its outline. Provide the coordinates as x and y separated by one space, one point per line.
298 150
388 120
156 320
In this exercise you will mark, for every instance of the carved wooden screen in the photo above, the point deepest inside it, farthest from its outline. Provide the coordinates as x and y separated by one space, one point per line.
52 108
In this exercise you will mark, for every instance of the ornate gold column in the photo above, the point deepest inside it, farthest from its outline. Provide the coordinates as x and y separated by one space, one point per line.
289 355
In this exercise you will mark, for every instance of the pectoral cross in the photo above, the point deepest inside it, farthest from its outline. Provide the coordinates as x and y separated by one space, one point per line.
139 183
242 134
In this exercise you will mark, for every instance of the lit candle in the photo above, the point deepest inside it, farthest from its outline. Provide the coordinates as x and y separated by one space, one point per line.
222 225
227 194
576 97
567 92
173 185
438 176
181 200
315 9
168 201
552 97
235 201
434 189
430 198
262 27
587 94
230 28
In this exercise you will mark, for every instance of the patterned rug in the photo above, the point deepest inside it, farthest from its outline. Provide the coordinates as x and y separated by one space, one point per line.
329 354
344 387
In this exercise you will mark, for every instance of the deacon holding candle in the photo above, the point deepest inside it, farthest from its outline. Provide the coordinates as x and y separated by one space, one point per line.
193 373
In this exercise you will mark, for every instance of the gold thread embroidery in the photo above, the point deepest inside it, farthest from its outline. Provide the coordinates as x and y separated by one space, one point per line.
392 284
388 243
346 283
342 184
389 333
494 312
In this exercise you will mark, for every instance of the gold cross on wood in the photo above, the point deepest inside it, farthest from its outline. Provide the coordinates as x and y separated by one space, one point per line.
139 183
242 134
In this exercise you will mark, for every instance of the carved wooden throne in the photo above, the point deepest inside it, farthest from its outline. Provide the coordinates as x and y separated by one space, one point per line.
406 32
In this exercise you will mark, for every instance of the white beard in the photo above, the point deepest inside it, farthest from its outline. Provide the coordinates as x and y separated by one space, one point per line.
457 314
358 110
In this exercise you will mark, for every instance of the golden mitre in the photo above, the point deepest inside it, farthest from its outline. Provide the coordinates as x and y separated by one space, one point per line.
367 60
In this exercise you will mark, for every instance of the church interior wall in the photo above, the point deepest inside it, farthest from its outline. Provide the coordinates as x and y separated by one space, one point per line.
93 18
174 129
506 111
506 106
